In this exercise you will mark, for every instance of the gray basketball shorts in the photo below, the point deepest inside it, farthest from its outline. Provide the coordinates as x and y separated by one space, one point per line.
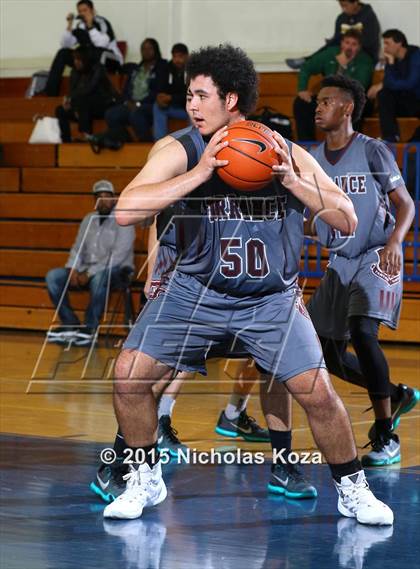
186 321
355 287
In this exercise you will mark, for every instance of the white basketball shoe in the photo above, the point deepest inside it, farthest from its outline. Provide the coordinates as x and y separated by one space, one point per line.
145 488
356 500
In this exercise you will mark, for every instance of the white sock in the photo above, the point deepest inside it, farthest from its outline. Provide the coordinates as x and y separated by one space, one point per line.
166 405
236 405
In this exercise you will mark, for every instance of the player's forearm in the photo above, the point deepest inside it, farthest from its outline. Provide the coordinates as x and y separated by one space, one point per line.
331 204
141 201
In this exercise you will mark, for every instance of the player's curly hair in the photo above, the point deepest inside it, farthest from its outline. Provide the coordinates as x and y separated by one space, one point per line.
231 70
352 88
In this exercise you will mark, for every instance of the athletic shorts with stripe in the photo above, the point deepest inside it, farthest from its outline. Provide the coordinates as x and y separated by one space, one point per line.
186 320
355 287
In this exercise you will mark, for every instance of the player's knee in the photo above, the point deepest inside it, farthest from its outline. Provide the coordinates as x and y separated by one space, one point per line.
323 399
363 331
128 377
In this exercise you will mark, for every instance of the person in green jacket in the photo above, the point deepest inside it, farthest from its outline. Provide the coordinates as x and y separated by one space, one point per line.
347 59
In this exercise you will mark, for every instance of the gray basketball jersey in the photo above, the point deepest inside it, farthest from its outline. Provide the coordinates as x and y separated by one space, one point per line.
240 243
366 171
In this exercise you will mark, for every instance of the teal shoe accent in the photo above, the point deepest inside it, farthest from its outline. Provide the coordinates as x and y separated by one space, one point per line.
225 433
413 402
172 453
367 461
396 423
293 495
108 498
254 438
275 489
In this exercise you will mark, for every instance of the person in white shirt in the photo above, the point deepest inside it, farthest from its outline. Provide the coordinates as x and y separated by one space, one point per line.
91 31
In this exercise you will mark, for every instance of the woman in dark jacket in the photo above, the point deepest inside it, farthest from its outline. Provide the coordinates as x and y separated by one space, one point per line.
139 92
91 93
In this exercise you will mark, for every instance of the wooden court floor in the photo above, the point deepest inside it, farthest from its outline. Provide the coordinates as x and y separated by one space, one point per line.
56 416
49 391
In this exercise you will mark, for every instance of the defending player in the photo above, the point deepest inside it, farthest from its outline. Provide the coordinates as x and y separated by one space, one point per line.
362 287
261 306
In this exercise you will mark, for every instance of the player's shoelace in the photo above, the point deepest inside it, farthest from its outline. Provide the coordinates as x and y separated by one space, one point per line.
378 443
248 421
171 434
294 473
135 490
358 493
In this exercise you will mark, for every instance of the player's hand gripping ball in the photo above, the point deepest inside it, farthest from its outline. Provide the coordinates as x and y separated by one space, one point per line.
251 156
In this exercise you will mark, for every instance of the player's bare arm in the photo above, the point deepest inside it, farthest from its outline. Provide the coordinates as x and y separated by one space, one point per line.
158 145
304 178
391 255
164 180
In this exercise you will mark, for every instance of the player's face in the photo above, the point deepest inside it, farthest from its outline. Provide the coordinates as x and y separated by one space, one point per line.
331 108
207 111
350 47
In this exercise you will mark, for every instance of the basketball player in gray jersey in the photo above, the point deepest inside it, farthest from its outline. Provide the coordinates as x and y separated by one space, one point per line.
362 287
199 308
234 421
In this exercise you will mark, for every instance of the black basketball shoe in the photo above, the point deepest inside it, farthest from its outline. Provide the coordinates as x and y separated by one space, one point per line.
409 397
244 426
288 480
109 482
168 437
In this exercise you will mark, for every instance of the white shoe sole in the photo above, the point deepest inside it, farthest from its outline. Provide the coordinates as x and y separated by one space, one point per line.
108 513
384 518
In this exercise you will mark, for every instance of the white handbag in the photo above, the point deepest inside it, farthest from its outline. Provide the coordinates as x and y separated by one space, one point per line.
46 131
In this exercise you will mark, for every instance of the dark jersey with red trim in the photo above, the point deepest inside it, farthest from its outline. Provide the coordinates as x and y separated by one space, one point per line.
240 243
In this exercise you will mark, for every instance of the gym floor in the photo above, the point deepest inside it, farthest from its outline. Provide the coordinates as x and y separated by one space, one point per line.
56 416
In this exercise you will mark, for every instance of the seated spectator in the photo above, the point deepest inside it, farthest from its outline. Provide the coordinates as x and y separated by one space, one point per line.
171 98
139 92
100 258
399 93
91 93
357 16
93 32
347 59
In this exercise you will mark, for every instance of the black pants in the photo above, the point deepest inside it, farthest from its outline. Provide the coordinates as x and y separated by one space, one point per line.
141 119
64 57
304 114
393 104
369 368
83 112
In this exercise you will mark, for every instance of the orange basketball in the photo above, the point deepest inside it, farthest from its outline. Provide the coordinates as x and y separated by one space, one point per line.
251 156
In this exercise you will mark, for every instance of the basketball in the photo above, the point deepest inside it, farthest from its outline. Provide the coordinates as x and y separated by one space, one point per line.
251 156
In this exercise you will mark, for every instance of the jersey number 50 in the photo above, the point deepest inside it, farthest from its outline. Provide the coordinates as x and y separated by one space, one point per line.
234 255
